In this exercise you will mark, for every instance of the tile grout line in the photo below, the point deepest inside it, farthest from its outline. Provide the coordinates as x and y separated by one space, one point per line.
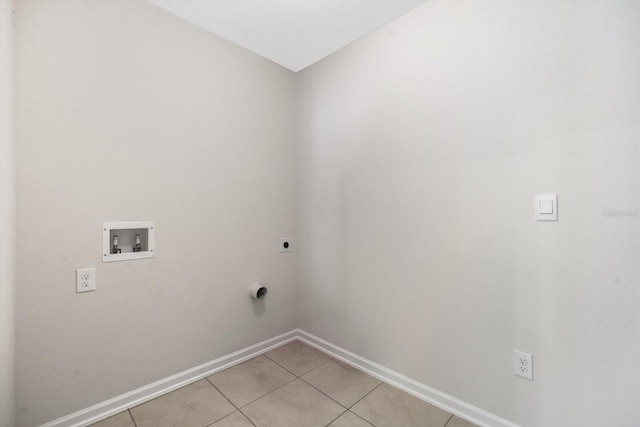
296 377
247 417
359 400
374 389
305 372
239 408
281 366
344 406
305 381
445 424
233 404
299 377
266 394
349 407
132 419
257 398
228 415
207 379
339 415
223 395
381 383
228 400
322 364
325 394
366 421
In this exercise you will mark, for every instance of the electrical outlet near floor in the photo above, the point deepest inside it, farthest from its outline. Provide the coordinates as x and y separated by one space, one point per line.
523 364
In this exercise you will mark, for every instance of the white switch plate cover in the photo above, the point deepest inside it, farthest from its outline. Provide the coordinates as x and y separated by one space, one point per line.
523 364
85 280
286 244
546 207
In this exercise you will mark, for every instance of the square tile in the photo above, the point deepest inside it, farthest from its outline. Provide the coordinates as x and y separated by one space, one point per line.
248 381
297 357
195 405
237 419
459 422
348 419
296 404
341 382
388 406
123 419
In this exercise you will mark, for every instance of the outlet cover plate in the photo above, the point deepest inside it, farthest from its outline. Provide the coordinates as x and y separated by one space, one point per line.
85 280
523 364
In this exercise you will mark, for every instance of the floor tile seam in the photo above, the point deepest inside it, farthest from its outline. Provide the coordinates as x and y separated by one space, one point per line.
281 366
132 419
351 407
312 369
247 417
449 419
227 416
317 389
340 362
339 415
266 394
359 400
293 373
322 364
366 421
345 406
276 363
223 395
237 409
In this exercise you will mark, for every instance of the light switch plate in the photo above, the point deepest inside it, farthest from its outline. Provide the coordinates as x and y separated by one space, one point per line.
546 207
85 280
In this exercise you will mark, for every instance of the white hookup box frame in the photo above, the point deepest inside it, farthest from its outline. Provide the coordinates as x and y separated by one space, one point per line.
126 232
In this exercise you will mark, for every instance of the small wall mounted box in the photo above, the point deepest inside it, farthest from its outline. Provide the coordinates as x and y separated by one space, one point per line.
122 241
546 207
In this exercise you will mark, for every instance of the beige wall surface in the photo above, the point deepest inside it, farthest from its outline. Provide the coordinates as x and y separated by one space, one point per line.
410 160
127 113
422 148
7 220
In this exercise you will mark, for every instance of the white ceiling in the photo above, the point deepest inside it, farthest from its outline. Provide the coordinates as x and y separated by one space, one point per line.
292 33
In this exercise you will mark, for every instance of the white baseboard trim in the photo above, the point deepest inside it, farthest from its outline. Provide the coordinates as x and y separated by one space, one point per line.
120 403
130 399
435 397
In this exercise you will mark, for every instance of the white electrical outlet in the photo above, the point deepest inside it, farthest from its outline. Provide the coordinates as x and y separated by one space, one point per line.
85 280
523 364
286 244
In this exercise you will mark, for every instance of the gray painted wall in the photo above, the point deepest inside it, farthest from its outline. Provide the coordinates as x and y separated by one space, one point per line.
7 220
125 112
422 148
410 159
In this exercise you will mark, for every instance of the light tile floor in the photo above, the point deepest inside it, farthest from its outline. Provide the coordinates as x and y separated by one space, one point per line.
292 386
